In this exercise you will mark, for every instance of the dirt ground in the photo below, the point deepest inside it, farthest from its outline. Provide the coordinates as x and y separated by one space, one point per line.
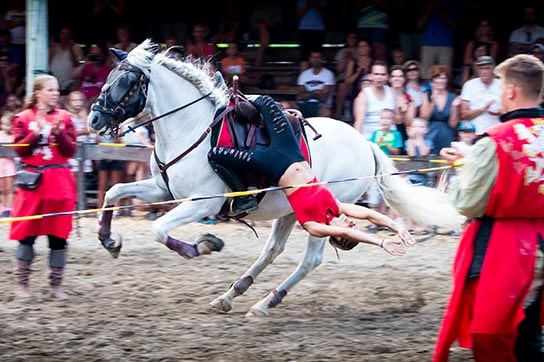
152 305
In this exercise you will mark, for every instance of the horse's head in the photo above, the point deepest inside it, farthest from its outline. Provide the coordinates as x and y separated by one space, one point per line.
125 93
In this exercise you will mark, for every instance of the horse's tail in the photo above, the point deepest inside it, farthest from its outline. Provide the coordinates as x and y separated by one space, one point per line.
424 205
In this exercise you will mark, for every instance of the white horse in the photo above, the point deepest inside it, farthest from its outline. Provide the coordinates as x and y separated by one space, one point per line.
183 99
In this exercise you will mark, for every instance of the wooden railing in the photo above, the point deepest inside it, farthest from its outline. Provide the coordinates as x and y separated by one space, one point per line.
92 151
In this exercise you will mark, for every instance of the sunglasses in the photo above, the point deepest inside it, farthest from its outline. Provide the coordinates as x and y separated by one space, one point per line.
410 69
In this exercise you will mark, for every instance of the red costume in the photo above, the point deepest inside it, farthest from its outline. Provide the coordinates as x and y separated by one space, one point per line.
314 203
57 192
492 304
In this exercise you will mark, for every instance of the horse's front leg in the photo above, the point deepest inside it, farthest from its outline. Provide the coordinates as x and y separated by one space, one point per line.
281 228
182 214
145 190
312 259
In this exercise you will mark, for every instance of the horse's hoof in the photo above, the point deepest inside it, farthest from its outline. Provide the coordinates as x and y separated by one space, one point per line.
208 243
112 245
220 305
256 312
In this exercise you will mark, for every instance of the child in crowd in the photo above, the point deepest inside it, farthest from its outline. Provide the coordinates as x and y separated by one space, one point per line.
466 133
389 139
390 142
418 145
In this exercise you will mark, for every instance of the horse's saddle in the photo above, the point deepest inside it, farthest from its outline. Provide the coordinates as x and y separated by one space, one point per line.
242 127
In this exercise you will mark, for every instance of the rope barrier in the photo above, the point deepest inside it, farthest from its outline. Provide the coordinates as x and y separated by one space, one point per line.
207 197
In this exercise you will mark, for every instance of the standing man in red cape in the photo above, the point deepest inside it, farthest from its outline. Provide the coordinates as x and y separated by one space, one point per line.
495 306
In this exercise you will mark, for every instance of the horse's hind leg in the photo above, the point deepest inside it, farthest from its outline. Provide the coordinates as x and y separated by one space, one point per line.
281 228
312 259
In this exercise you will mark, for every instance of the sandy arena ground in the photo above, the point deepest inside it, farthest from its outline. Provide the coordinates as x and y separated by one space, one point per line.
152 305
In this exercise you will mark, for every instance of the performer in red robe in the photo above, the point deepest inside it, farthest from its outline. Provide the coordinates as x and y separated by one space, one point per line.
48 140
498 275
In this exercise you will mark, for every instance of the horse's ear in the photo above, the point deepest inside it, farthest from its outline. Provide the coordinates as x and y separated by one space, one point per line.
120 54
219 80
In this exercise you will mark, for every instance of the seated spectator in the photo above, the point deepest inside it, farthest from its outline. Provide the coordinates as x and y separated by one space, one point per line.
315 86
124 43
341 59
198 45
522 38
8 77
229 22
470 69
92 74
234 64
64 56
483 34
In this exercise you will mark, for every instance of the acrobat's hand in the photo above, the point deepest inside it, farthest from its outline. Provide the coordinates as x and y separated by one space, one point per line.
406 237
274 118
393 247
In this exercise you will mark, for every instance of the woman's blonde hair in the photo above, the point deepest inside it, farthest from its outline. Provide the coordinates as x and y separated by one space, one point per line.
37 85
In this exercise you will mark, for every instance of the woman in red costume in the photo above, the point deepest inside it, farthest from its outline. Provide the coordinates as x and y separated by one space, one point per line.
314 205
495 306
48 140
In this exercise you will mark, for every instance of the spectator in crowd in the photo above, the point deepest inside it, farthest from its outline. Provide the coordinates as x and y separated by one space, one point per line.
390 142
266 18
484 34
356 70
5 44
481 97
495 307
15 22
50 137
228 23
311 27
470 70
389 139
234 64
110 172
405 109
538 51
442 108
7 166
398 56
418 145
8 77
64 56
124 42
341 59
371 100
438 22
92 74
373 25
466 136
137 170
410 37
315 86
198 45
77 105
416 86
522 38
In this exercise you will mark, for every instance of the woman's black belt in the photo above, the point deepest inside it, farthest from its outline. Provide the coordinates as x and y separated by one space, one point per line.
43 167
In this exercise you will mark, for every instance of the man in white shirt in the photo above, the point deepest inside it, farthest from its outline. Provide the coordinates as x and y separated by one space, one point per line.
315 86
481 97
522 38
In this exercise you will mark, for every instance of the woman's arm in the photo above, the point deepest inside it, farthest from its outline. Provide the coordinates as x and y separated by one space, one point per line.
393 247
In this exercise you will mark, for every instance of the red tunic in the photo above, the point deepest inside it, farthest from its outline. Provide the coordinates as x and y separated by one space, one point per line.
314 203
516 204
57 192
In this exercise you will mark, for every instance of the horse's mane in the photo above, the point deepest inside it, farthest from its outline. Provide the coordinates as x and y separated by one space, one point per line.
194 70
